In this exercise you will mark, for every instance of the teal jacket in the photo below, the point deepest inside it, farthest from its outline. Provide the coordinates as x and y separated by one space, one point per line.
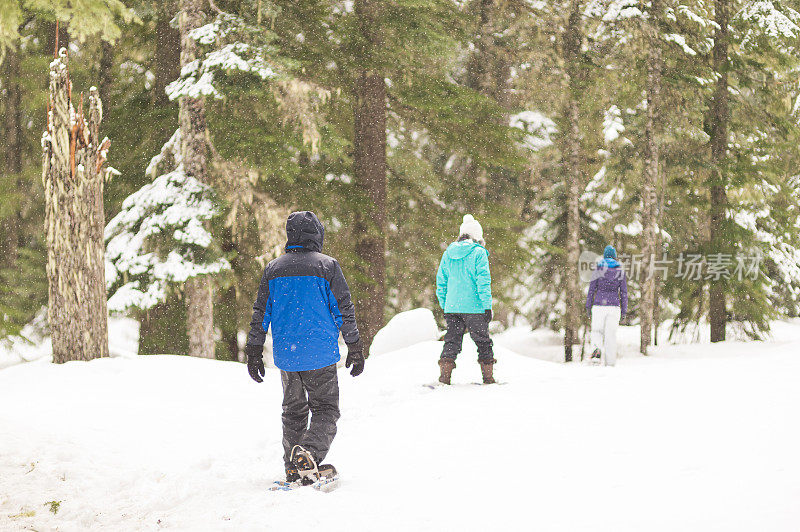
463 283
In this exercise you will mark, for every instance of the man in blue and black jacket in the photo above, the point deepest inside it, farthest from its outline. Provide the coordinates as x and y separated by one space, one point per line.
304 296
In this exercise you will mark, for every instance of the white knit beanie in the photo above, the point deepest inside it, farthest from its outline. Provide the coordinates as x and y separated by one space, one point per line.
471 228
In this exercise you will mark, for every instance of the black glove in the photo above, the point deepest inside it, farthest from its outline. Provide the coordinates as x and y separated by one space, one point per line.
488 314
255 361
355 358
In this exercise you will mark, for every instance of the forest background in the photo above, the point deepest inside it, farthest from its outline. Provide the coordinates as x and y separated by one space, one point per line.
667 128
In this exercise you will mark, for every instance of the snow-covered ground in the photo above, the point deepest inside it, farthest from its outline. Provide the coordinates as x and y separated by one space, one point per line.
695 437
32 346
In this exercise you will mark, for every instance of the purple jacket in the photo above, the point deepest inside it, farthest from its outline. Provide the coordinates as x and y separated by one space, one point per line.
609 287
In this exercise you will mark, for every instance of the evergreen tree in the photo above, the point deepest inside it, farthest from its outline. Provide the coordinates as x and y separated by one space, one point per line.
84 19
472 108
432 116
369 166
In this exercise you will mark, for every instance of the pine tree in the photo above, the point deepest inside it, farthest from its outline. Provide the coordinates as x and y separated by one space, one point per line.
571 49
650 226
239 68
192 117
160 237
431 112
85 19
369 169
718 118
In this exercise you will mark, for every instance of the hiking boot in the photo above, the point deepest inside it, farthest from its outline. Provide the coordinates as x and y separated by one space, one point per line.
327 471
486 371
446 365
291 474
304 461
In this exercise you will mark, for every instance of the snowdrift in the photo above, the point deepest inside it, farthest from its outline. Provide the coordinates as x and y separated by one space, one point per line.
405 329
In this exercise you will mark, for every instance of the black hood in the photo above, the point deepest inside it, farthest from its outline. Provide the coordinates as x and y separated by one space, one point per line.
304 230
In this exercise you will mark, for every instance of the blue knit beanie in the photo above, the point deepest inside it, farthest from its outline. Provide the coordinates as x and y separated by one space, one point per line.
609 252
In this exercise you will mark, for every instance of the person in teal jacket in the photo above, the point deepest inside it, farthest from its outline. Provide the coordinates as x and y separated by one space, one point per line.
464 290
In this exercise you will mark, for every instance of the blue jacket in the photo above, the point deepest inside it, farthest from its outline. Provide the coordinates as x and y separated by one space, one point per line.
609 286
304 296
463 282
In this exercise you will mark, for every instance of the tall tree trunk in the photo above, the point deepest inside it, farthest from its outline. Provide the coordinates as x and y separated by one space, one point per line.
199 295
12 125
660 249
192 117
369 165
104 70
488 72
574 179
96 248
651 161
167 58
226 308
73 171
230 339
479 79
488 68
478 65
719 146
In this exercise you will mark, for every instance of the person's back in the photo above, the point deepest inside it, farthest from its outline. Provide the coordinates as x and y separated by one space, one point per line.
606 304
304 311
464 290
466 282
609 284
304 298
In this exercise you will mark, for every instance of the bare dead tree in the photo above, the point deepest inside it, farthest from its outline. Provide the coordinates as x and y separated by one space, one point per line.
73 172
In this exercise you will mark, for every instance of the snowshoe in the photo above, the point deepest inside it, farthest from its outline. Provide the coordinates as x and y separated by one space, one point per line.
327 480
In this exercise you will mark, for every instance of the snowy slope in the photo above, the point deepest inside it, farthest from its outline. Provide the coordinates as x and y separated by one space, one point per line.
693 438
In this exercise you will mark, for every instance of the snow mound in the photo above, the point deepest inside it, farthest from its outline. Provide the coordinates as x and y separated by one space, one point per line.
404 330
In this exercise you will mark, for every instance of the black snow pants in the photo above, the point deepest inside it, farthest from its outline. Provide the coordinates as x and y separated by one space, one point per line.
478 328
315 391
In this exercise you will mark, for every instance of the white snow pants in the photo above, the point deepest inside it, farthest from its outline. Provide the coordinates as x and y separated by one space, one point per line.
605 320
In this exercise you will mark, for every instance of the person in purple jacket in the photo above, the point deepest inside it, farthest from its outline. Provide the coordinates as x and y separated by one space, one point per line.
606 304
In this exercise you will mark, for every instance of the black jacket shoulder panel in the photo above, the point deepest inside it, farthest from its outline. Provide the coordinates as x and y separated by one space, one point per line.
303 263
